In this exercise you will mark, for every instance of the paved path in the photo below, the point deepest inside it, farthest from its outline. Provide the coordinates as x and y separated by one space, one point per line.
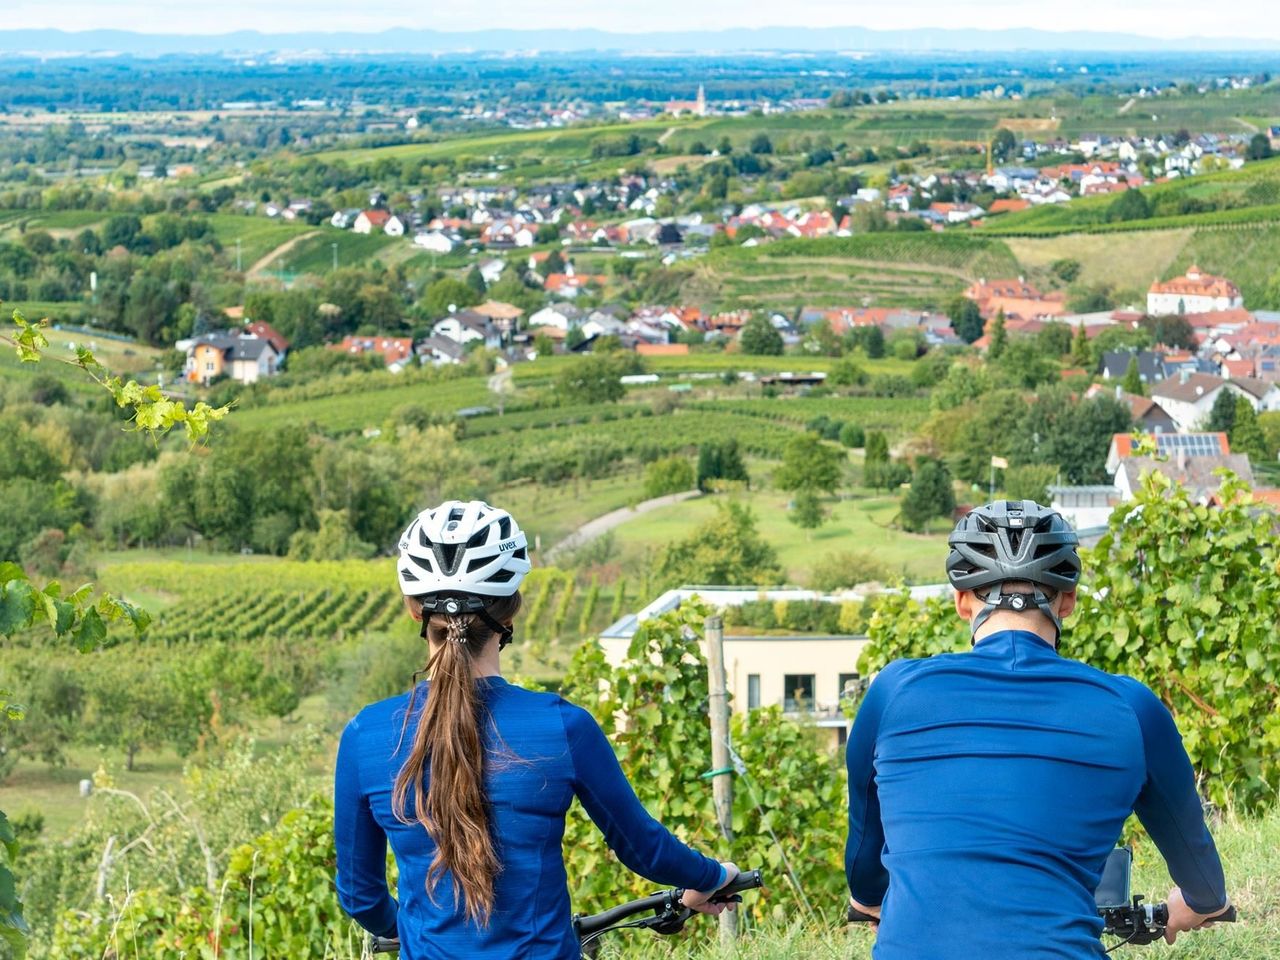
602 525
666 134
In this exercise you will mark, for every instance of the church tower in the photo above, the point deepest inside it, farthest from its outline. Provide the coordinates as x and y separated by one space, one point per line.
701 108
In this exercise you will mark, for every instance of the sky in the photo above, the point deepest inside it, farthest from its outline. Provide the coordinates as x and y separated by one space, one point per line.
1157 18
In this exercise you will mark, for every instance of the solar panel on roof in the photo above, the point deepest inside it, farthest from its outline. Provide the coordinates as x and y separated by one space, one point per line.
1192 444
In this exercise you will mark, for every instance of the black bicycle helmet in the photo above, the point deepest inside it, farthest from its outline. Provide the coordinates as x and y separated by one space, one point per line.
1014 541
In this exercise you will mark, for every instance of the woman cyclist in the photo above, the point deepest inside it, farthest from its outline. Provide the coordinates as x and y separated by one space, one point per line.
469 778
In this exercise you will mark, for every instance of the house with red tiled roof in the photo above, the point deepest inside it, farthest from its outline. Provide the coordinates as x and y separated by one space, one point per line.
264 330
1194 292
1148 415
570 284
378 220
1008 205
393 349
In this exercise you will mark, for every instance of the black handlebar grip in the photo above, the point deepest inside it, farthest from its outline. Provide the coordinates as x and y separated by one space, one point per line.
857 916
747 880
1228 917
384 945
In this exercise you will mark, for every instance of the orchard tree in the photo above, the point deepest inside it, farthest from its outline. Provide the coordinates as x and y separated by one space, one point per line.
720 460
1132 382
931 494
809 464
1222 415
666 476
1246 434
725 549
807 511
591 379
759 338
999 337
1080 353
447 294
966 319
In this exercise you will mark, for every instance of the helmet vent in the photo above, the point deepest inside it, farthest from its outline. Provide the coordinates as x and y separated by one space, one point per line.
477 563
447 554
478 538
521 554
408 574
501 576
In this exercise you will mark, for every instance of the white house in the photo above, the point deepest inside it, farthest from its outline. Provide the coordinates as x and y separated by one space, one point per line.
491 270
433 241
1196 292
1189 397
559 315
370 220
465 327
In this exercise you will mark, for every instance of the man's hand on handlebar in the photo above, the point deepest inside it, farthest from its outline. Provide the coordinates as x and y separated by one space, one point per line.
1182 918
697 900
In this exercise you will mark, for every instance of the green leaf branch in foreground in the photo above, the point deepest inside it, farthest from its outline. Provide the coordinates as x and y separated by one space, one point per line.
152 411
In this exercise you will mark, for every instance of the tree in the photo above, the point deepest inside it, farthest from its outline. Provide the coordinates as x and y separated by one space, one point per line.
1029 481
1066 270
553 263
725 549
1246 434
447 294
1259 147
666 476
720 460
475 280
761 143
1222 415
999 337
806 511
846 372
1080 353
966 319
1130 205
1132 382
1171 330
759 338
930 495
591 379
851 435
334 539
877 447
809 464
868 339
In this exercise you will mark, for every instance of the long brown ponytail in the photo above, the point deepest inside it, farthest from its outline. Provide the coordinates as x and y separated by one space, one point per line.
449 746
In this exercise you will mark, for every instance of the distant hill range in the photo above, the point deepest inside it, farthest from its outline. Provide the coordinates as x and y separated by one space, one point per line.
405 41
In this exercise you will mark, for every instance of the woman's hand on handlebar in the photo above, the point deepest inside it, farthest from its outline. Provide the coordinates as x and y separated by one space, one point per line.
1182 918
869 911
696 900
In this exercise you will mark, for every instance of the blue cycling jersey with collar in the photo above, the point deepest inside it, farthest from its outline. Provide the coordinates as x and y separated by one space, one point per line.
986 789
542 752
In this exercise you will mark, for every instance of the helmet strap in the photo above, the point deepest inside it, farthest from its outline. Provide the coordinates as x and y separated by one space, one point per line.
997 599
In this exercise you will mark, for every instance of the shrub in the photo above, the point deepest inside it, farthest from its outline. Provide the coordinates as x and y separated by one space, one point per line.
840 571
666 476
851 435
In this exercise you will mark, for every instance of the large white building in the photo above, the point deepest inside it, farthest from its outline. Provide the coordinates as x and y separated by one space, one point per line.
1196 292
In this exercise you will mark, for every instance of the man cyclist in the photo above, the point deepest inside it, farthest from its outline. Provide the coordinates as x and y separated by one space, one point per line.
987 788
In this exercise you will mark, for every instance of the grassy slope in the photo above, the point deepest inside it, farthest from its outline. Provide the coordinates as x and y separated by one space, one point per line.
858 525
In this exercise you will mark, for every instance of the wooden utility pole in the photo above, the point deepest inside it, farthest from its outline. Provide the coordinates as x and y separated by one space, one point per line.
721 766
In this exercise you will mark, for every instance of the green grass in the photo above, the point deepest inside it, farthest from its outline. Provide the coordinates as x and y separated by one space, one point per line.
258 236
118 356
860 525
315 255
549 514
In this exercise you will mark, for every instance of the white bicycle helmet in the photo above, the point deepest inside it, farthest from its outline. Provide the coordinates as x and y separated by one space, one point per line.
465 550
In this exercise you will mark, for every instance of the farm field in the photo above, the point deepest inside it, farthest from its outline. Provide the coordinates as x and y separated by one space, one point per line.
315 254
857 525
119 356
883 269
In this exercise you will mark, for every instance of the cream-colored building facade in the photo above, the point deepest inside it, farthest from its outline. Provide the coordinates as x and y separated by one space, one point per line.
805 674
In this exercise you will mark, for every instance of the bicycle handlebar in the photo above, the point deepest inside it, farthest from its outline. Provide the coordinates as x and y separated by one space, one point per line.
669 914
1136 923
666 899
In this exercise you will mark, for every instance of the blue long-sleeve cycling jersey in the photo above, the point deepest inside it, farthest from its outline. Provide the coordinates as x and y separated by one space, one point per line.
986 789
542 751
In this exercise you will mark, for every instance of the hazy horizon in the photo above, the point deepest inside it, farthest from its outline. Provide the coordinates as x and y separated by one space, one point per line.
1247 20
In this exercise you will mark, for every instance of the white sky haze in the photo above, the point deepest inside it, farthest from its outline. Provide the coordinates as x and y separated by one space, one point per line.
1256 19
